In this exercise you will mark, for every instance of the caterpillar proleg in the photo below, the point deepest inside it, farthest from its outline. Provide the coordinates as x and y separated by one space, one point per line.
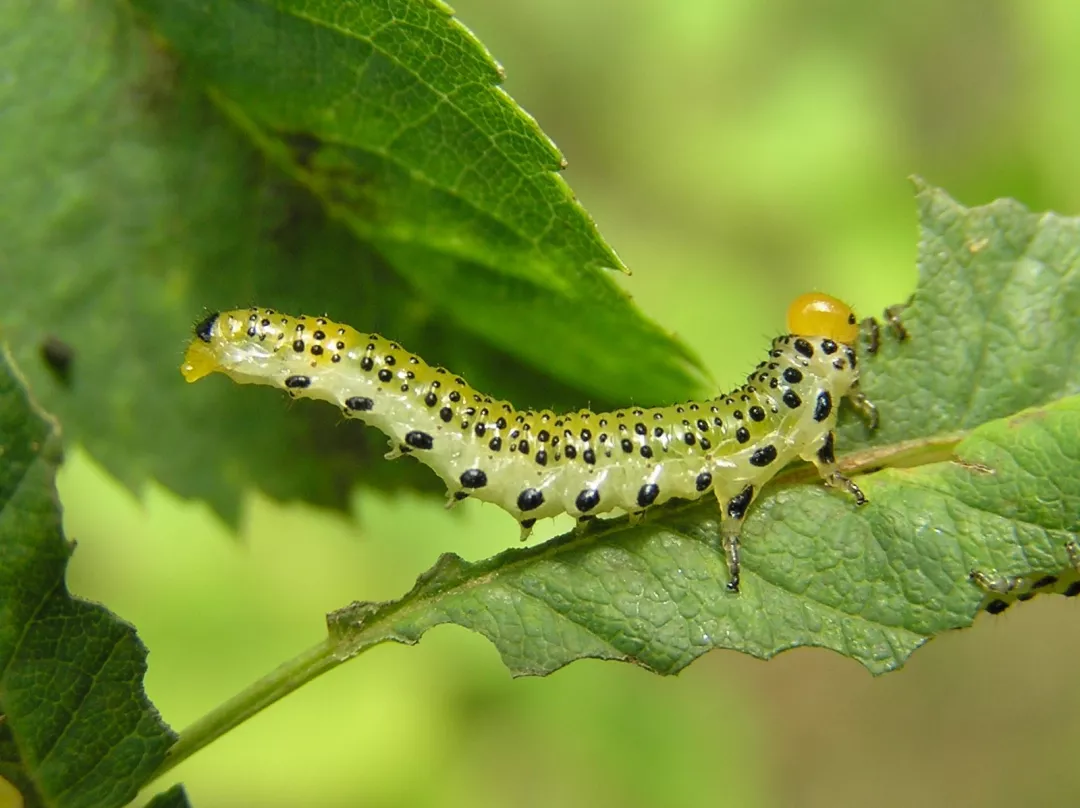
538 464
1001 591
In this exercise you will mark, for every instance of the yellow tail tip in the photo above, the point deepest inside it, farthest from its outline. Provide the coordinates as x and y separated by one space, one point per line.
198 362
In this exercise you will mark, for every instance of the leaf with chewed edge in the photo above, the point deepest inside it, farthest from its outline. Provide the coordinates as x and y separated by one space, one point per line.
873 584
78 729
997 493
960 477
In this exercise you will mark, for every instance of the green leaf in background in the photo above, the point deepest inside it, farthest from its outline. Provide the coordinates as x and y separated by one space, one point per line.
989 333
132 204
78 729
390 111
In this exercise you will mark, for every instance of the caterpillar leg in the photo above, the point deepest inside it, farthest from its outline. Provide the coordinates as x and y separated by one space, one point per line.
824 458
865 407
732 514
891 315
583 523
730 547
1023 588
396 450
992 583
454 497
1006 586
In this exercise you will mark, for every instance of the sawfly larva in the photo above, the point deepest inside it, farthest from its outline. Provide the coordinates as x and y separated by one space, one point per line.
537 464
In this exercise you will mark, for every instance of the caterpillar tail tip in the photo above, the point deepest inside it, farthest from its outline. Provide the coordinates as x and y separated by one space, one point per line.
198 362
192 374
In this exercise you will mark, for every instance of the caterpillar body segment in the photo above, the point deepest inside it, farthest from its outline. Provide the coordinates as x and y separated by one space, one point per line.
538 464
1002 591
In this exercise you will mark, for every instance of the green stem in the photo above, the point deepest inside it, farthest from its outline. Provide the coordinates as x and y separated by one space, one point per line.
277 684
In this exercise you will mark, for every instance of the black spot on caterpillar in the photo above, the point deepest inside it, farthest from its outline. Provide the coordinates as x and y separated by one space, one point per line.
731 445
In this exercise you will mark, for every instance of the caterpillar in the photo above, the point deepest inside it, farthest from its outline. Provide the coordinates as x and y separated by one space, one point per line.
538 464
1002 591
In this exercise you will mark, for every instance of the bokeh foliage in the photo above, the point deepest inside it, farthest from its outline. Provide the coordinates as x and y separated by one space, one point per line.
734 153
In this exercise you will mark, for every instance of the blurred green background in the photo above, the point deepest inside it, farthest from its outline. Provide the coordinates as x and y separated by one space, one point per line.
735 153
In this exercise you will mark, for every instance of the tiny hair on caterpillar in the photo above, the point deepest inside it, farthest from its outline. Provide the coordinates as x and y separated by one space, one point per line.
538 464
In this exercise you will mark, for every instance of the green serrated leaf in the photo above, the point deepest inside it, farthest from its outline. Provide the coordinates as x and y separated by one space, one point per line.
390 112
992 324
974 495
140 205
990 332
78 729
874 585
390 109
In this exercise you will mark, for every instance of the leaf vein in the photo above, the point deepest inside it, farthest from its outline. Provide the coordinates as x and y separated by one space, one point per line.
442 97
77 707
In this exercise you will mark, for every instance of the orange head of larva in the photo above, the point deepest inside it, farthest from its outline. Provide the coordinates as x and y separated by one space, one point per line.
818 315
